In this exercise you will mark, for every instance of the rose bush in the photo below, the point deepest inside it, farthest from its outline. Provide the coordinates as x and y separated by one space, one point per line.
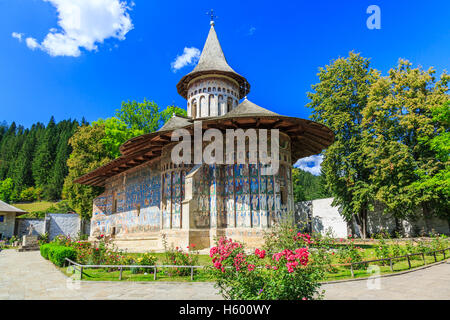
284 275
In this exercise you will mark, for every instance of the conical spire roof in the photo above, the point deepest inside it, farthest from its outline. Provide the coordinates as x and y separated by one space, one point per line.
212 61
212 57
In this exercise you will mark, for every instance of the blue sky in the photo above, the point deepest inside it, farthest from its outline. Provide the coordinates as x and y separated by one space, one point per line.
278 46
72 59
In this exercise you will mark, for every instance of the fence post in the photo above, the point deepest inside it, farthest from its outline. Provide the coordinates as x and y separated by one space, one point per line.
390 262
154 273
81 273
192 273
120 275
435 259
351 270
443 251
423 257
409 262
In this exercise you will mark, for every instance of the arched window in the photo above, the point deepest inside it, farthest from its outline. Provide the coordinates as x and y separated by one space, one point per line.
203 107
221 105
229 104
211 106
194 112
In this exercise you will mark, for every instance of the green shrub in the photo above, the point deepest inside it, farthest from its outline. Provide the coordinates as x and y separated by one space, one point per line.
58 254
45 248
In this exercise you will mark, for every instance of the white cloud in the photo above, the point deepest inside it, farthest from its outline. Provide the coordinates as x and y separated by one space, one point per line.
251 31
31 43
84 24
310 164
17 35
189 56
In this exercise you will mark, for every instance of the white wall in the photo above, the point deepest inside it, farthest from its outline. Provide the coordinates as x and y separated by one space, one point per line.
324 216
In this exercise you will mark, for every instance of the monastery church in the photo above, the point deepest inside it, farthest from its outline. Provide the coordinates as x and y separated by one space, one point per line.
147 196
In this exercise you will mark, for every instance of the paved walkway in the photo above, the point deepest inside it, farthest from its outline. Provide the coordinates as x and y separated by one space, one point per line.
26 275
426 284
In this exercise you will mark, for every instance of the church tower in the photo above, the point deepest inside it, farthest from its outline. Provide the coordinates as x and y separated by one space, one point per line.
213 88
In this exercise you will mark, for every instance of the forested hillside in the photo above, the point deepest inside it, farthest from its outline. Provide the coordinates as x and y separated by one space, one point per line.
41 162
33 161
308 186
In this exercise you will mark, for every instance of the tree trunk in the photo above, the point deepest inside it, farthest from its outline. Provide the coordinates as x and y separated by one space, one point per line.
426 217
364 223
361 221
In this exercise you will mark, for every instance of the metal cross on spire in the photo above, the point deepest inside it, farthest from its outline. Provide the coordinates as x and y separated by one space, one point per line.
245 90
212 15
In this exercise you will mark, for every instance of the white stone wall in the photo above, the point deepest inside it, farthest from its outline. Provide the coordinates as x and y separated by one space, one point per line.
212 97
55 224
320 215
39 226
63 223
7 226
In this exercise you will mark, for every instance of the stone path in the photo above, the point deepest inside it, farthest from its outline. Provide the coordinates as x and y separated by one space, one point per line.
26 275
428 284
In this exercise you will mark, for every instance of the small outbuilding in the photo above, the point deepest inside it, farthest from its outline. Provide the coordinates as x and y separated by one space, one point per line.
8 215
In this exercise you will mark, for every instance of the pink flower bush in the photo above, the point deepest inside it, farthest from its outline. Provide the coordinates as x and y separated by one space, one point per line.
303 236
242 275
260 253
293 259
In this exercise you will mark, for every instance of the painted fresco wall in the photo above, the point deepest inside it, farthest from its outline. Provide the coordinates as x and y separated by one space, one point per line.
130 203
173 194
236 197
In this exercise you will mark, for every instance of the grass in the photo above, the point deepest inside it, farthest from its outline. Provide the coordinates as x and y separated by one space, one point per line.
34 206
200 275
203 259
163 274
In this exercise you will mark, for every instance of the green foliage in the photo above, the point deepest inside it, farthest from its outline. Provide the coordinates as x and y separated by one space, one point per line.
35 158
145 116
351 253
337 102
44 238
88 154
403 121
45 249
116 133
176 256
7 190
58 254
289 275
308 186
439 182
97 144
28 194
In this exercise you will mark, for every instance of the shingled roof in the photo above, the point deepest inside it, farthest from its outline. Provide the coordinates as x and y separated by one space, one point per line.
246 108
212 61
4 207
174 123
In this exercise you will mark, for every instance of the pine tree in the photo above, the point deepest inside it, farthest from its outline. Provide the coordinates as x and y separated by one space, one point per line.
45 155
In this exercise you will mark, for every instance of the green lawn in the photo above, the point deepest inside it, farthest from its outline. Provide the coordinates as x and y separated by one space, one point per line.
200 275
34 206
398 265
203 259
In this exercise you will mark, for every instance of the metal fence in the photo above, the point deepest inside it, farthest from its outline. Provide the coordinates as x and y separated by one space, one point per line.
407 256
155 268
